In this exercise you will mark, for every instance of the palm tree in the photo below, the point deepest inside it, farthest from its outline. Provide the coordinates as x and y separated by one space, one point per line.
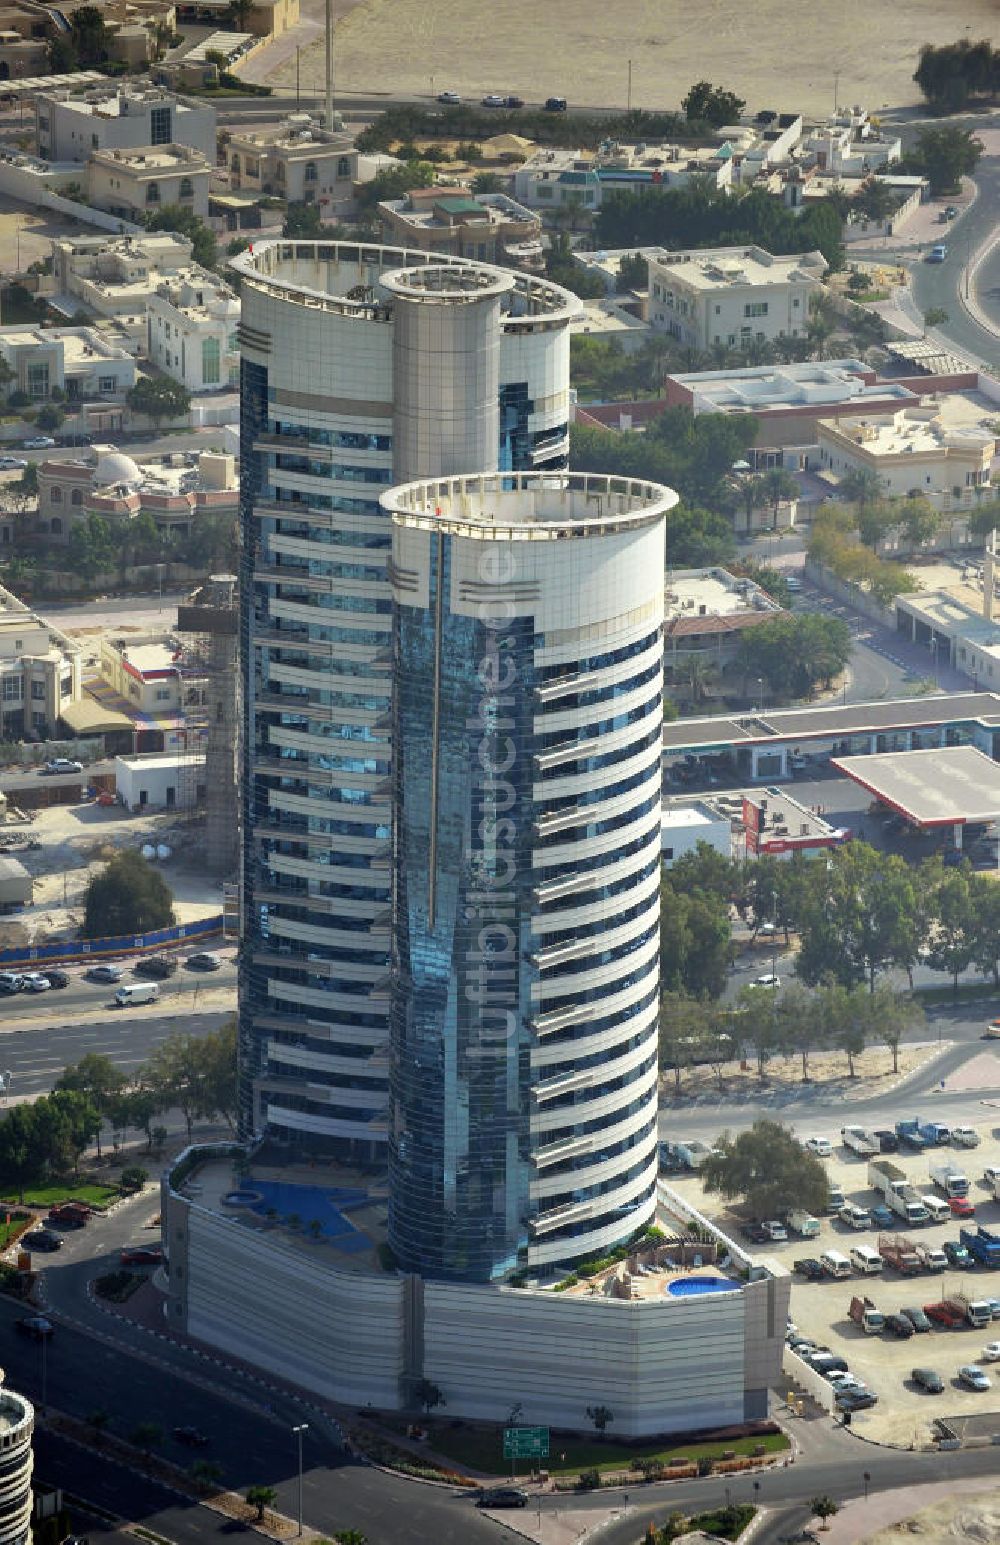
778 485
862 486
753 494
823 1508
260 1497
699 674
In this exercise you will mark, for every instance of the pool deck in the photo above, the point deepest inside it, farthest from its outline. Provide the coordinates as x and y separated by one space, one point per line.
354 1250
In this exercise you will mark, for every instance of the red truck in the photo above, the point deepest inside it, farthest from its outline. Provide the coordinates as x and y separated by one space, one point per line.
945 1313
900 1253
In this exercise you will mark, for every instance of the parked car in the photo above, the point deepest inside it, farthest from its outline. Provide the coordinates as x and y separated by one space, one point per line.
961 1207
809 1268
12 463
951 210
36 1326
991 1352
56 977
973 1377
36 981
42 1239
39 443
917 1319
928 1380
555 104
60 764
205 960
754 1233
141 1255
10 981
493 99
883 1217
513 101
887 1140
856 1400
965 1137
450 98
820 1146
769 980
192 1437
900 1326
502 1496
104 973
774 1230
937 254
158 966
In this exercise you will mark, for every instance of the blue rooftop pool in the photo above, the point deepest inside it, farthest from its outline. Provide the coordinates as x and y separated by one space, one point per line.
696 1287
324 1205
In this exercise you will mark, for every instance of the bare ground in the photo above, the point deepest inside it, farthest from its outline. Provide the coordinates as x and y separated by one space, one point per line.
581 50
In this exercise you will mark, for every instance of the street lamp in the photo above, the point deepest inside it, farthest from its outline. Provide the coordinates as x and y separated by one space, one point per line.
760 694
298 1431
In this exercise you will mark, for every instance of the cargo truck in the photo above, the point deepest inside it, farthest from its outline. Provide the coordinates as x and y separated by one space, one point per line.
949 1180
935 1132
931 1257
900 1253
976 1311
983 1245
802 1223
910 1135
945 1313
890 1182
860 1141
864 1313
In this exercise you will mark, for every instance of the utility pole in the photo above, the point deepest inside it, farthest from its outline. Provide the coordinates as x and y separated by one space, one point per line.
298 52
329 65
629 104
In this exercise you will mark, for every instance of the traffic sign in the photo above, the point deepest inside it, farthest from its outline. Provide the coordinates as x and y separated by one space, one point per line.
526 1443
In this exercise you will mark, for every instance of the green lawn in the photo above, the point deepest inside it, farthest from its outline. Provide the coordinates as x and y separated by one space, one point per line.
47 1196
481 1448
9 1231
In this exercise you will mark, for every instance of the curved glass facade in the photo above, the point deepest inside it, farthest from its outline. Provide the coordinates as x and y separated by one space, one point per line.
525 958
339 402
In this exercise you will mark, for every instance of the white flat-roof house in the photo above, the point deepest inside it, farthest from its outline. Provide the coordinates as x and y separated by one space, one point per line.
114 276
70 124
731 295
81 361
915 450
133 183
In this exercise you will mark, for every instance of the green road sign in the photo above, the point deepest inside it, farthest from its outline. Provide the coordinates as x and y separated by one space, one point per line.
526 1443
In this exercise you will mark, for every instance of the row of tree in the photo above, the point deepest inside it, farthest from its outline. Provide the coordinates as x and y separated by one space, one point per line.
955 74
43 1141
792 654
835 544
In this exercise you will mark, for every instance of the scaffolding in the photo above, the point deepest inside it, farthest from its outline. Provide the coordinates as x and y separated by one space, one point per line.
209 620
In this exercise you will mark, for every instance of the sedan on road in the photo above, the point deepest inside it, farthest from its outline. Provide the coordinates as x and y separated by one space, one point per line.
450 98
973 1377
39 443
35 1326
12 464
491 99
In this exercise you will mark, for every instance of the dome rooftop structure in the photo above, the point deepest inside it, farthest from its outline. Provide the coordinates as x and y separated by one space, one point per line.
115 468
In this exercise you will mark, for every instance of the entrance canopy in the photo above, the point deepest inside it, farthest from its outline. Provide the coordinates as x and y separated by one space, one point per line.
952 786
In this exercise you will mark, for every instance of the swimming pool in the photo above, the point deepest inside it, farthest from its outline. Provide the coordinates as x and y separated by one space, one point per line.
322 1203
695 1287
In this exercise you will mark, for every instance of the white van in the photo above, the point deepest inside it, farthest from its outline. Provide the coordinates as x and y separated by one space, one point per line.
866 1260
835 1264
854 1216
939 1210
137 992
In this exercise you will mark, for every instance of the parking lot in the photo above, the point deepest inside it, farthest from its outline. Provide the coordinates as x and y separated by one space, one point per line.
820 1309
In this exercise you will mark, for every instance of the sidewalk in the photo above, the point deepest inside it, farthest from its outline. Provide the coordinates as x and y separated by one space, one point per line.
858 1520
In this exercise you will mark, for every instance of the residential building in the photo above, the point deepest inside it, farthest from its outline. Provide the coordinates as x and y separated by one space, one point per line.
706 613
134 183
732 296
174 490
849 149
40 671
114 276
70 125
265 18
513 983
349 360
151 672
17 1424
553 178
925 450
297 160
452 222
773 138
192 332
83 362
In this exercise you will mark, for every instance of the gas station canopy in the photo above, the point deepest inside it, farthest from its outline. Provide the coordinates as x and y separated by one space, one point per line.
950 786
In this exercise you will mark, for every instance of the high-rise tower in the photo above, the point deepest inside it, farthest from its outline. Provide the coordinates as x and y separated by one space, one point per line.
362 366
527 662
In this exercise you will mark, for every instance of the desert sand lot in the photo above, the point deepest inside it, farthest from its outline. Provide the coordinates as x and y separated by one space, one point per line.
781 54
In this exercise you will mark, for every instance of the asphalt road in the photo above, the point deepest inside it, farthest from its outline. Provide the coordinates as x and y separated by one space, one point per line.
940 284
36 1057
